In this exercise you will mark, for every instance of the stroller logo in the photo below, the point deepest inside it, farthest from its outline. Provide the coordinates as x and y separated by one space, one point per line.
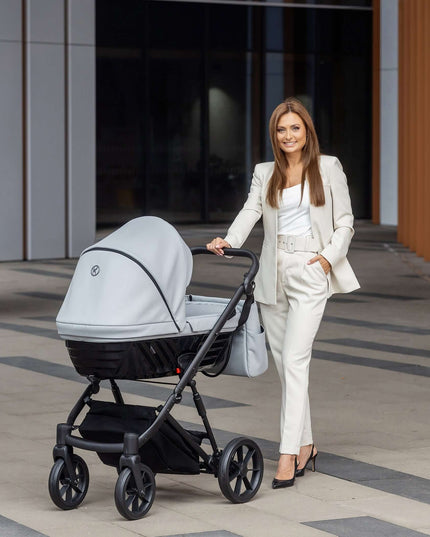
95 270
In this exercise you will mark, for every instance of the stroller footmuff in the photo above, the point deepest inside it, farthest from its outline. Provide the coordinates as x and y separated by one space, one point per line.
126 316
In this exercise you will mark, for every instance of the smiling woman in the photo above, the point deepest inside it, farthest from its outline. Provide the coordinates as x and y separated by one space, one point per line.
307 233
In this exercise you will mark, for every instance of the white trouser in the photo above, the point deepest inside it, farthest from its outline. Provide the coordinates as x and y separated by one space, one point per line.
291 326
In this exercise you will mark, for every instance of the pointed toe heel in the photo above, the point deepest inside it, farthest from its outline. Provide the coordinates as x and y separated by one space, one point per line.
284 483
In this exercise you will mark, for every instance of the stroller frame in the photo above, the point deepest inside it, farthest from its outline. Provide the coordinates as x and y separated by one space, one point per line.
135 487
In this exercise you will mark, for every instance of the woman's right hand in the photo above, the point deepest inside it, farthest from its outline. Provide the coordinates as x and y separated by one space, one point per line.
217 245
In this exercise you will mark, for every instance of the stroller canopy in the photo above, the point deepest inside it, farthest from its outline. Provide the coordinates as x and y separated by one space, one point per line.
130 285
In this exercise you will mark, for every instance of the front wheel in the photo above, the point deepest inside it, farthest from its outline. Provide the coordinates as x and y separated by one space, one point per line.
131 504
68 491
240 470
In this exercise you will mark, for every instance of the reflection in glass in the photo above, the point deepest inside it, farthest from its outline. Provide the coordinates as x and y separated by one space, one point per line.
185 93
174 174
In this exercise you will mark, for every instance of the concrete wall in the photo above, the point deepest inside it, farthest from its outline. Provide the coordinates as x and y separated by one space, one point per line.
11 131
47 143
81 133
389 71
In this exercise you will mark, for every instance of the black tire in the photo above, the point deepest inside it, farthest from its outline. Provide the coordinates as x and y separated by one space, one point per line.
67 492
240 470
127 500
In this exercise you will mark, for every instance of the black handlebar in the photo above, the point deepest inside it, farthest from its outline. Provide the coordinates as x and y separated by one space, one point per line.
236 252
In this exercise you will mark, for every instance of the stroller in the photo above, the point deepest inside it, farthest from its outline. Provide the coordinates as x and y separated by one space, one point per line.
126 316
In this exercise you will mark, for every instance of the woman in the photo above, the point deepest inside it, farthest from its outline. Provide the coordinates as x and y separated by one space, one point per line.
308 225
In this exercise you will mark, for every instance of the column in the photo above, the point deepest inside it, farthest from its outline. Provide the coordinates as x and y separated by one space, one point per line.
11 131
81 118
388 111
45 128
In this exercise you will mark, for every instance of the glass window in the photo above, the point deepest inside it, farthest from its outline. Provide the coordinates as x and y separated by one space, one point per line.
185 92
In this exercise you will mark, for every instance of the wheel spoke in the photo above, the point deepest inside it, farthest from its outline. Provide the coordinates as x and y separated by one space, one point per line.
78 488
135 506
69 493
256 472
240 454
238 486
79 476
247 483
147 494
129 501
234 472
63 490
249 455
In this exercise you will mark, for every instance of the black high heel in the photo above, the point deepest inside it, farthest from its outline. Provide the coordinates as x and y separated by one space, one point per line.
284 483
311 458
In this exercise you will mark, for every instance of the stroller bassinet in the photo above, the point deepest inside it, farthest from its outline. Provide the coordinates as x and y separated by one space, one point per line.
126 316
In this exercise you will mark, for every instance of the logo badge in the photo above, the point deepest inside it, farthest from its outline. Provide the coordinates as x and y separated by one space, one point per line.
95 270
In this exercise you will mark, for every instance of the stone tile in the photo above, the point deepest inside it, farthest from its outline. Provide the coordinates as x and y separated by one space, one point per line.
92 529
402 511
331 489
13 529
216 533
363 527
163 521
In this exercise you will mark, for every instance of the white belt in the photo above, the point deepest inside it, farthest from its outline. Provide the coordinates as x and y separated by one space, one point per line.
293 243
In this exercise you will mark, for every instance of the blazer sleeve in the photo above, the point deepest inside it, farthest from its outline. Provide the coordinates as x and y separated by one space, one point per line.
249 214
343 219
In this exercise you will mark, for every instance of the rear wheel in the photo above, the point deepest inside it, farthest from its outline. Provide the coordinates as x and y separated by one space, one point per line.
240 470
68 491
131 503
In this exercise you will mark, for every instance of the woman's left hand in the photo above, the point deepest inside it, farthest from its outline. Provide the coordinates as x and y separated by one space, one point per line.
323 262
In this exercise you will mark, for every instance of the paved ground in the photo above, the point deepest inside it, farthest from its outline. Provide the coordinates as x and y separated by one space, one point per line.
370 405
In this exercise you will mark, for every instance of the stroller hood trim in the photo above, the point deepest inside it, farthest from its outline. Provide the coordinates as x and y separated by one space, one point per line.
142 266
129 285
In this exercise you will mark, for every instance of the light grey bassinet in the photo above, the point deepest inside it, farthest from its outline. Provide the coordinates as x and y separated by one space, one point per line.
126 307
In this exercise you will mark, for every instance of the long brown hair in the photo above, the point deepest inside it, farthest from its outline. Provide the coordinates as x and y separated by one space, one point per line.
310 156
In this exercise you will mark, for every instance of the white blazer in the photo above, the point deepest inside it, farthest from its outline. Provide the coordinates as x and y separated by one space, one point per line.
332 227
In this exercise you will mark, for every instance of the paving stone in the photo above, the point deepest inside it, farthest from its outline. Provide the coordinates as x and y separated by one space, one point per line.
363 527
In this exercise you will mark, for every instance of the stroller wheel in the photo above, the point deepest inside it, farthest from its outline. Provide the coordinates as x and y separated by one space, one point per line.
240 470
68 491
128 501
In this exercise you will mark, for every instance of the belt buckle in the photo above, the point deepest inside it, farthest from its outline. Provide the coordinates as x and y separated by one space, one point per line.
291 244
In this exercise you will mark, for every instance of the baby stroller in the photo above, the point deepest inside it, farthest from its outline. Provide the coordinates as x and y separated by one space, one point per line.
126 316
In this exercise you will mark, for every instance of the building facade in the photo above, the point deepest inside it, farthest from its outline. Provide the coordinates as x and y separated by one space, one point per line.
115 109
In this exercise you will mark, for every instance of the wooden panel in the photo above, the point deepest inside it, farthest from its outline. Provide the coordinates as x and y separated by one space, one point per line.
420 157
414 125
426 134
376 105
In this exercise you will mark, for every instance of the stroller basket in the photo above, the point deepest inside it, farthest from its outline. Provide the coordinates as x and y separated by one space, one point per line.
165 452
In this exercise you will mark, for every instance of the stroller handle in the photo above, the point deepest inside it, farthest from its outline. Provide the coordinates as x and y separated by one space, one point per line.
236 252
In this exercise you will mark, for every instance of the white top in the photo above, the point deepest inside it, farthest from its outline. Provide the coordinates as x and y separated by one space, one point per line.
293 216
